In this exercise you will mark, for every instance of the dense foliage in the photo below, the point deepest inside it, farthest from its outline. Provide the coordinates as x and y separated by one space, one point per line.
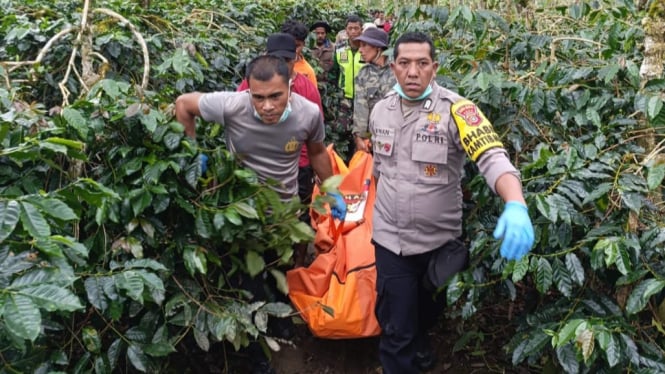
117 254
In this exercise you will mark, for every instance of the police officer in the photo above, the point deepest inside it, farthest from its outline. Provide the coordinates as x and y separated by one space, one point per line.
421 134
374 80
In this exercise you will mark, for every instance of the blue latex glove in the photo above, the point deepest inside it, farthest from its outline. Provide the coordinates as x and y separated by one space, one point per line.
203 160
338 209
516 230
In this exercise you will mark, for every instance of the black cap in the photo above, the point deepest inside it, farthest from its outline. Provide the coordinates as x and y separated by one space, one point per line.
323 24
281 45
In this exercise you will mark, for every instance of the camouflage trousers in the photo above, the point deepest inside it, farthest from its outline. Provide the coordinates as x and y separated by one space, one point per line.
345 115
344 126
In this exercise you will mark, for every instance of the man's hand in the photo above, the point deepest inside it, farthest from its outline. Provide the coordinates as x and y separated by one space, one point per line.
361 144
516 230
338 208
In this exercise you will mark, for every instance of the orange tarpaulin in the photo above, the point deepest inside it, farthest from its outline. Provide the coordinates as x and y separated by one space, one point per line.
336 294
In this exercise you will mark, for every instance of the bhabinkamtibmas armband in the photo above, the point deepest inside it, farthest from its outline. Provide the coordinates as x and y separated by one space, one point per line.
476 132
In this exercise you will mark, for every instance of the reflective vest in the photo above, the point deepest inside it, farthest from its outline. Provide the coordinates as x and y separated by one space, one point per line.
349 66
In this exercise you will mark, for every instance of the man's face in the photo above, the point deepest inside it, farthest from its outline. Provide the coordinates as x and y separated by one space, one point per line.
320 34
353 30
368 52
414 68
269 98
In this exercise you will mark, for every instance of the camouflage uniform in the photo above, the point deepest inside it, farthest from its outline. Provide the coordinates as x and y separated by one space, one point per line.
372 84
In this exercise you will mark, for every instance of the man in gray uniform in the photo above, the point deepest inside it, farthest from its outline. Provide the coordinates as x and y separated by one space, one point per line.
421 134
265 126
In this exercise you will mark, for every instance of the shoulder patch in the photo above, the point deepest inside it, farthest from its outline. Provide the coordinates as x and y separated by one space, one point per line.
476 132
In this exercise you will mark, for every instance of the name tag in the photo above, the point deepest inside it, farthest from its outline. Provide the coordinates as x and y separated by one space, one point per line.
383 139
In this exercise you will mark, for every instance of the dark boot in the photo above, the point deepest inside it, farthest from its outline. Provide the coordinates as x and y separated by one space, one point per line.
425 359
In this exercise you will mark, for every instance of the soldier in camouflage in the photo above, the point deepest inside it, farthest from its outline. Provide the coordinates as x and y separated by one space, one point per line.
374 80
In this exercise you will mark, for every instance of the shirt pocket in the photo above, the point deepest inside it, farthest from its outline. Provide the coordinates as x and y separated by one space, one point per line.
430 159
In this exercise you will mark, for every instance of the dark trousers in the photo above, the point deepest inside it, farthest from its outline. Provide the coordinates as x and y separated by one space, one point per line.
404 308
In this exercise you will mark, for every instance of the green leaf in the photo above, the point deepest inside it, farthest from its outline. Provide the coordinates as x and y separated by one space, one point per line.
331 184
201 339
149 121
9 216
568 359
598 191
232 216
254 262
568 332
91 339
145 263
52 298
180 61
76 120
632 200
159 349
654 106
545 209
195 260
562 279
71 243
454 291
35 277
543 275
21 317
245 210
57 209
33 221
277 309
113 353
575 268
202 224
520 269
327 309
131 282
110 87
172 140
137 358
261 321
280 279
155 286
483 81
49 247
654 178
623 262
613 351
593 116
639 298
95 292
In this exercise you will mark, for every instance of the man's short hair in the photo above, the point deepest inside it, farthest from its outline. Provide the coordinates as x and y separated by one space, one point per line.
264 68
414 37
297 29
352 18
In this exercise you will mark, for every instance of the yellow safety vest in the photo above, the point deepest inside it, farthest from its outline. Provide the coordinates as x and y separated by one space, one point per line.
349 65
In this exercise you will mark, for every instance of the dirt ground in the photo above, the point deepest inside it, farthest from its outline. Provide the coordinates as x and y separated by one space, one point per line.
311 355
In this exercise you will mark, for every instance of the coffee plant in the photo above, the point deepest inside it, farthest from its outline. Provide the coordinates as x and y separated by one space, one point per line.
117 254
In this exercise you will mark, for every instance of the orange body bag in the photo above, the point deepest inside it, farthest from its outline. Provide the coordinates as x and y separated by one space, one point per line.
336 294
